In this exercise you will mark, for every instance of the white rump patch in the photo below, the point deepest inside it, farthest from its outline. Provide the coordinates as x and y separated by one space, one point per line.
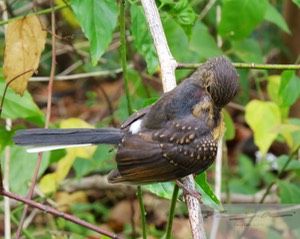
135 126
54 147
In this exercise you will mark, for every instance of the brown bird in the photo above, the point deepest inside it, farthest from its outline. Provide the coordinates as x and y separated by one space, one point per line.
176 136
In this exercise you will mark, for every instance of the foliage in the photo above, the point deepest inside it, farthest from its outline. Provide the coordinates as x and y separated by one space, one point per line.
249 31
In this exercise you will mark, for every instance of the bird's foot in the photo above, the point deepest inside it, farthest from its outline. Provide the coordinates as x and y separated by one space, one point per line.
188 191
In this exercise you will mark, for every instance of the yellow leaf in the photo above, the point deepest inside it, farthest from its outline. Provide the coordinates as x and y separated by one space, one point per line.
25 41
75 123
263 118
47 183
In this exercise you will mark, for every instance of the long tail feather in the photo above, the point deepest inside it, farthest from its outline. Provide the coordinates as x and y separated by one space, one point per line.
68 136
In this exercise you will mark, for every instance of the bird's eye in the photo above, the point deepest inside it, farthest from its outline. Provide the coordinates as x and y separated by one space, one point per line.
208 89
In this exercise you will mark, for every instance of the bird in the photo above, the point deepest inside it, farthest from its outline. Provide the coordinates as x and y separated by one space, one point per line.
174 137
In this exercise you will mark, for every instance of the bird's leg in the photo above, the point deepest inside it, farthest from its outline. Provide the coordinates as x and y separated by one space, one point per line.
188 191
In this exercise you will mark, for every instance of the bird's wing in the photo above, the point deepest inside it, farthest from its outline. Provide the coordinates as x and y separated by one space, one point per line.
158 156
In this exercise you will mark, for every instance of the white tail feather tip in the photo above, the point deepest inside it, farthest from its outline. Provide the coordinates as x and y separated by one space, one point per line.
54 147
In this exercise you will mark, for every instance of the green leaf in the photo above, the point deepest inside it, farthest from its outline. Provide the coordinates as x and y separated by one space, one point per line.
239 18
22 165
23 107
289 88
202 43
248 50
207 194
142 38
293 165
229 125
247 171
297 2
140 88
122 112
263 117
239 186
272 15
98 20
186 18
288 192
163 190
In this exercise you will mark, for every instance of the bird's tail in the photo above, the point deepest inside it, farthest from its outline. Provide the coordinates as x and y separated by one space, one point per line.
50 139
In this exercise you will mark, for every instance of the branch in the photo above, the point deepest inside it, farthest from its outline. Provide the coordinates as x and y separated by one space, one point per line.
57 213
168 66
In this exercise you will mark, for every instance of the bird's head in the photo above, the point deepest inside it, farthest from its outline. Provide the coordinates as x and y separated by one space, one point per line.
220 79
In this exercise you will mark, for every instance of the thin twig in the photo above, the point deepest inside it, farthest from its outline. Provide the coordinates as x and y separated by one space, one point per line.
247 66
130 109
206 9
77 76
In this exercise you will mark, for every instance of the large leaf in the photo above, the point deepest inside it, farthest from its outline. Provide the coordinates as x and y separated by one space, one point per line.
22 166
263 118
288 192
178 43
163 190
248 50
293 164
289 88
272 15
142 38
240 17
24 107
207 194
202 42
25 41
98 20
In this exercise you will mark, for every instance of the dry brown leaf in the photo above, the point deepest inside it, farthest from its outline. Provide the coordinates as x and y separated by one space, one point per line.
25 41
